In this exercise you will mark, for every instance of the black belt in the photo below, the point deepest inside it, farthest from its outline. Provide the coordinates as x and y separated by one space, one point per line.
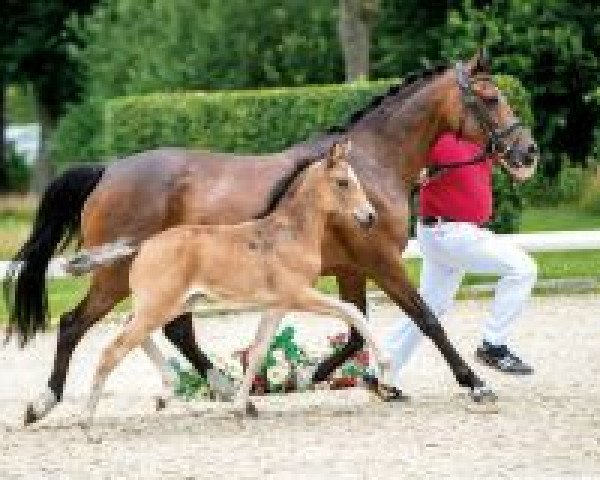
429 221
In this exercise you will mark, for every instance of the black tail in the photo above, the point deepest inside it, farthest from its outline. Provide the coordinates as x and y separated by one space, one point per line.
57 221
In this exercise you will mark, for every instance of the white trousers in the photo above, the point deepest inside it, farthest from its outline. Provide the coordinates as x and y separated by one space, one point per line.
449 251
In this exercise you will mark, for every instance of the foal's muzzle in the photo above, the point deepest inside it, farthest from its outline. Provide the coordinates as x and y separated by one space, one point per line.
365 217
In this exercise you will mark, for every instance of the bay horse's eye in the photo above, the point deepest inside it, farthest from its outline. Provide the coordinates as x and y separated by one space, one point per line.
342 182
491 101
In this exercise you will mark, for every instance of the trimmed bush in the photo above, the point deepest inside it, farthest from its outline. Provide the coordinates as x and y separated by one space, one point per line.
235 121
79 136
252 121
241 121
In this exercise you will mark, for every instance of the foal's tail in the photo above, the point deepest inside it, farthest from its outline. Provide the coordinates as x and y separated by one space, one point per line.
87 260
57 221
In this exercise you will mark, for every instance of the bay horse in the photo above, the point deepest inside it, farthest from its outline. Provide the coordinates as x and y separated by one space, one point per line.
277 258
148 192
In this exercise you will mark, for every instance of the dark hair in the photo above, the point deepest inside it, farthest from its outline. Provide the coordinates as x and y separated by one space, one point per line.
282 185
400 90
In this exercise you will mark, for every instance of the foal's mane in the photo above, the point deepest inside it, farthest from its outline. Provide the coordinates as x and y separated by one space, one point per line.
412 83
284 184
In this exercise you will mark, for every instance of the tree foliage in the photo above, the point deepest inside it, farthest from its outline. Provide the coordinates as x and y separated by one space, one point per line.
142 46
35 49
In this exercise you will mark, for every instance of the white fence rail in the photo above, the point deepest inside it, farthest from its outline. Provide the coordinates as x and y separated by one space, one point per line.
539 242
532 242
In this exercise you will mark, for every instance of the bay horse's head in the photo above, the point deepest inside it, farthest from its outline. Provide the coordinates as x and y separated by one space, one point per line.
343 194
477 109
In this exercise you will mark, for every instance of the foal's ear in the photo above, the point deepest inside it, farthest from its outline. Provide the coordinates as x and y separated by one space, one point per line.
480 63
337 153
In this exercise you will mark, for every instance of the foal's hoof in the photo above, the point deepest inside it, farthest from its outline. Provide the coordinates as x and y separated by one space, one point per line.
482 394
251 410
94 439
30 415
160 404
86 428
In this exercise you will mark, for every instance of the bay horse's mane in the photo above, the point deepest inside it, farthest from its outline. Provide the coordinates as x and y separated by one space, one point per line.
284 184
411 83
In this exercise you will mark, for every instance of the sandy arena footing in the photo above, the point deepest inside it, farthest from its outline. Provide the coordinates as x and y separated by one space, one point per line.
548 425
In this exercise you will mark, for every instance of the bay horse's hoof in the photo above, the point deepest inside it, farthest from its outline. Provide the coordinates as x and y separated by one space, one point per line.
248 411
30 415
221 387
482 394
383 392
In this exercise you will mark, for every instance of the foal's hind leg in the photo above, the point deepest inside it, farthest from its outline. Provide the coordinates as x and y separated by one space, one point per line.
133 335
106 290
168 375
262 339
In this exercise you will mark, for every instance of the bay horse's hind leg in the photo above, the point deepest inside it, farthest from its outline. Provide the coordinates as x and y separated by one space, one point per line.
181 334
106 290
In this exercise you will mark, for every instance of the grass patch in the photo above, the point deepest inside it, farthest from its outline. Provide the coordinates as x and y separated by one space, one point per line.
562 217
13 233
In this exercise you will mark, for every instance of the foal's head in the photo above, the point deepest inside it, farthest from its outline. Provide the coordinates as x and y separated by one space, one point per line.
341 192
475 107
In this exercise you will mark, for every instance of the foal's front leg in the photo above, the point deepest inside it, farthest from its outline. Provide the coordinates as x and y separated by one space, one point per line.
264 334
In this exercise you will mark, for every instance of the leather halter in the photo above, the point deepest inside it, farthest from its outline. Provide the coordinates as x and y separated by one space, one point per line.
496 136
496 141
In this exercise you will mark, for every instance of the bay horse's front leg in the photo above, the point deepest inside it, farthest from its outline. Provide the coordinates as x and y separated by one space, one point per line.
390 275
266 330
353 289
317 302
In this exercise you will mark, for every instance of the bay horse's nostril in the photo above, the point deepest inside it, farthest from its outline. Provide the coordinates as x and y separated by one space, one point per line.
533 148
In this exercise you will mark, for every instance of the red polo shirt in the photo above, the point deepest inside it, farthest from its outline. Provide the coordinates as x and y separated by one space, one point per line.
464 193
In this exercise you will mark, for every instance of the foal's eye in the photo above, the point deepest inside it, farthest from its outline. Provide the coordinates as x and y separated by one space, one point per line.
342 183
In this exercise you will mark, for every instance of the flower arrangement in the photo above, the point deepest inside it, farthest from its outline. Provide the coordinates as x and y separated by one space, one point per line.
285 368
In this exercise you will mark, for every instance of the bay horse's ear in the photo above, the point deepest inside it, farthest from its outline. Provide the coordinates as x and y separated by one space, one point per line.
480 63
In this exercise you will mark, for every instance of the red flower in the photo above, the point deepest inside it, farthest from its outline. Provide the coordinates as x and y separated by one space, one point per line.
362 358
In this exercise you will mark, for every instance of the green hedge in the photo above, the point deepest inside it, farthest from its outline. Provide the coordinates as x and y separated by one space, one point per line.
236 121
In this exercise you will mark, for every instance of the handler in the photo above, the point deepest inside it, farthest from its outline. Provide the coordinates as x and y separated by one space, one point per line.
455 203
